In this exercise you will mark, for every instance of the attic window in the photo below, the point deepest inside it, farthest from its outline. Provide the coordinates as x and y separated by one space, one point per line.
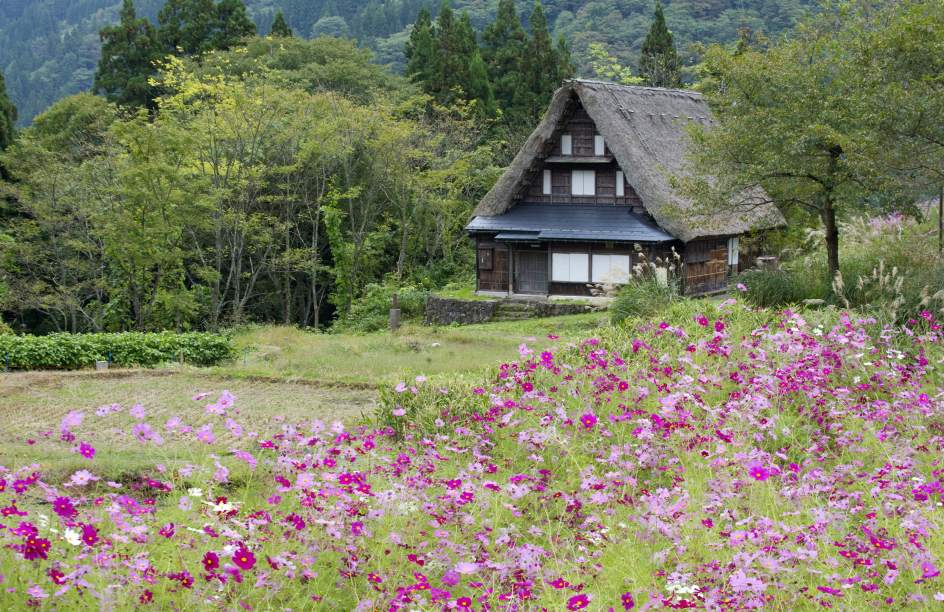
598 146
583 183
620 184
567 144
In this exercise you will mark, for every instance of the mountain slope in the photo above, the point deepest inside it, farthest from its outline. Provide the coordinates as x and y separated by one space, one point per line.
49 48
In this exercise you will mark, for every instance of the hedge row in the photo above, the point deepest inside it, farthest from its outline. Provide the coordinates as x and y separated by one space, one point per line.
75 351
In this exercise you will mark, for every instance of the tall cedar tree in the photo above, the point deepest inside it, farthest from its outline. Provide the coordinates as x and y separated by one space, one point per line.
195 26
185 26
7 116
658 61
129 50
445 60
545 67
504 43
280 28
232 24
420 49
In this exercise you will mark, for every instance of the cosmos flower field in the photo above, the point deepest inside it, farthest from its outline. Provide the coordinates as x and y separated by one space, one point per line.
719 459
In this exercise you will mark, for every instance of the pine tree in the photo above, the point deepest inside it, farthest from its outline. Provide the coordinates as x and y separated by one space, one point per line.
129 50
658 61
7 116
280 28
478 87
504 43
185 26
420 49
232 24
544 68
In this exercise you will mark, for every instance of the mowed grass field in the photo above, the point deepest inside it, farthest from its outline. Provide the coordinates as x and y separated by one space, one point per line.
281 375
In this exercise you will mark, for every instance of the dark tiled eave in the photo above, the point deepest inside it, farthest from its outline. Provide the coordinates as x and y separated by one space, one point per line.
570 222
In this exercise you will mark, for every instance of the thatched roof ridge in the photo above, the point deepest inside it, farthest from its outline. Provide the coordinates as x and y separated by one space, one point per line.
644 127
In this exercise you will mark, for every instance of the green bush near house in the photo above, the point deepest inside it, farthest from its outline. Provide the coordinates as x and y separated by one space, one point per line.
889 268
371 312
642 297
75 351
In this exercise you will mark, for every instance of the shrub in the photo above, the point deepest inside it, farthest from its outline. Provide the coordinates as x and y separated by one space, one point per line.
890 269
774 288
641 298
74 351
372 311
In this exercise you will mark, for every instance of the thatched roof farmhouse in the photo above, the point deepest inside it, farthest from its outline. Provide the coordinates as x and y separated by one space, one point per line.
594 180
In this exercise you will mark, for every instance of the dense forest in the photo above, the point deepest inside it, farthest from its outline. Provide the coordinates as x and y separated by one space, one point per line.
50 48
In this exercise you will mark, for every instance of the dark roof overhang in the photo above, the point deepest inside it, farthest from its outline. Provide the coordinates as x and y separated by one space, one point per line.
570 222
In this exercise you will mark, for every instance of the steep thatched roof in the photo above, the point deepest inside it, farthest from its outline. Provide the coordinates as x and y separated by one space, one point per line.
644 128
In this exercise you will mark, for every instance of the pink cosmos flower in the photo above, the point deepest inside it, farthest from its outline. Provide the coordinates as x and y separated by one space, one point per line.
137 411
627 601
741 287
701 320
243 558
81 478
89 535
72 420
86 450
758 472
205 434
578 602
588 420
211 561
64 508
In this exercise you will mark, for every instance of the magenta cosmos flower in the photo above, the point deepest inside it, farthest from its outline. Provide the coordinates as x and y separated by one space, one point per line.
578 602
243 558
588 420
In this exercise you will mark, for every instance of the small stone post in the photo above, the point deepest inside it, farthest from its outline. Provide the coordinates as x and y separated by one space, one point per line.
394 314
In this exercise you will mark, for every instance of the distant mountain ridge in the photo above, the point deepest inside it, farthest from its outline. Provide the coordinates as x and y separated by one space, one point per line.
49 48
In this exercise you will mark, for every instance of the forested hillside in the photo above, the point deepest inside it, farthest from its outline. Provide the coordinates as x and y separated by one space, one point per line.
49 48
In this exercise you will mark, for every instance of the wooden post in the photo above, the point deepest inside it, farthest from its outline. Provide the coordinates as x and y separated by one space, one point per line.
511 269
394 314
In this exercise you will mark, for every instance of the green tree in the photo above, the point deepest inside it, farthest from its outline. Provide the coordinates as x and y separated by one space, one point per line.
658 60
791 130
129 50
420 49
280 28
608 68
504 43
7 116
546 68
185 26
232 24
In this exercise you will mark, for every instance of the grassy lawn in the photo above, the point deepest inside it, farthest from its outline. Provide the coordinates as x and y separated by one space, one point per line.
289 353
34 403
281 372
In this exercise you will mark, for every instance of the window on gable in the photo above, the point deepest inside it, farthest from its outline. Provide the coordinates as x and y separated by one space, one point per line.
583 183
570 267
598 146
620 184
567 144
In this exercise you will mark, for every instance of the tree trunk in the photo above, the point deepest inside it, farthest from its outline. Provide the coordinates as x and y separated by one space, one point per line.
940 221
828 215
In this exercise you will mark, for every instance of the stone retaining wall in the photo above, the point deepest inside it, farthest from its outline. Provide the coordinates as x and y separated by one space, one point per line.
446 311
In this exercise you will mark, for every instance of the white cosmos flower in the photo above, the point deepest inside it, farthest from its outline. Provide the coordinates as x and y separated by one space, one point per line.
194 492
72 536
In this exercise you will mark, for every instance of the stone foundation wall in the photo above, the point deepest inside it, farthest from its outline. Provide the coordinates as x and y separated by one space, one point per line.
445 311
